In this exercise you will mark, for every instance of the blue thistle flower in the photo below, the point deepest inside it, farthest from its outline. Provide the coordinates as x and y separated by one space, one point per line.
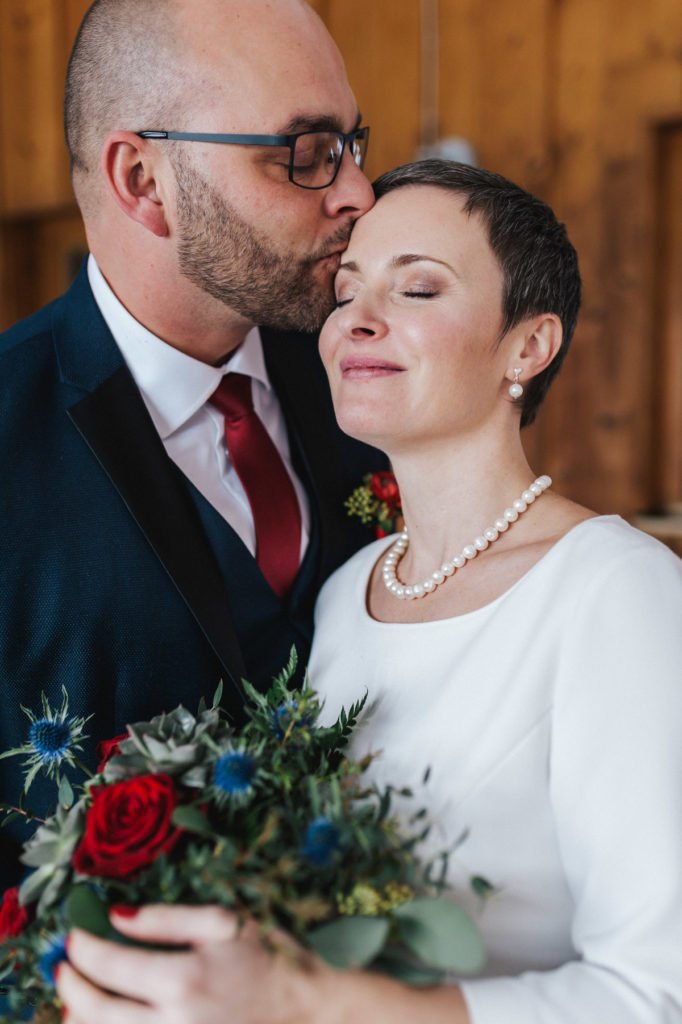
286 717
234 773
53 955
321 841
50 738
54 738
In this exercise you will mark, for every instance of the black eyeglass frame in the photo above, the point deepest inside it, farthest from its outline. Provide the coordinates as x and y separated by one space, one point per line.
288 141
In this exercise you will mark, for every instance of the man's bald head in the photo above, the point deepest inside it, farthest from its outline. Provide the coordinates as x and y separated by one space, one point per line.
140 64
124 73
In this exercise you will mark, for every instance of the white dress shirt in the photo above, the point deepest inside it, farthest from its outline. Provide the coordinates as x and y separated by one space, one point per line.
175 389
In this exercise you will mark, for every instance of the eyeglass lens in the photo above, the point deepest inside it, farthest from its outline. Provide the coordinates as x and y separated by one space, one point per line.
317 156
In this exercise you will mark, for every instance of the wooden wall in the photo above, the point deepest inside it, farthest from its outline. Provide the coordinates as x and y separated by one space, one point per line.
41 236
578 100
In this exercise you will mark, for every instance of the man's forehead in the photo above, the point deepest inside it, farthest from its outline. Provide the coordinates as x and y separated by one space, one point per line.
282 70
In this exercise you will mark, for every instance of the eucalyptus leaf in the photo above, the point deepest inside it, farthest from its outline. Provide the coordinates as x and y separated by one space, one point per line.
441 935
84 909
66 794
218 695
191 819
350 941
398 963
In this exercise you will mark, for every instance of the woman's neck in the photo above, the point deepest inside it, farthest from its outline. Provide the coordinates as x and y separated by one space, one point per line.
453 492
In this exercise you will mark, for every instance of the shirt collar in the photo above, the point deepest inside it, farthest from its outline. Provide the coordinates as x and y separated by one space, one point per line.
173 384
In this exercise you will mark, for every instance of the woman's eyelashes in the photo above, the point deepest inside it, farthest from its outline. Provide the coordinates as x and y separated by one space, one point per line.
411 292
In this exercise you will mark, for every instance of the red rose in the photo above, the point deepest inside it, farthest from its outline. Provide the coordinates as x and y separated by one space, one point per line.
106 749
384 487
127 826
13 917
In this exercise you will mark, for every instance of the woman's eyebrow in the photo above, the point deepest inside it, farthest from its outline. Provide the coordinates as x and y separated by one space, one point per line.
403 260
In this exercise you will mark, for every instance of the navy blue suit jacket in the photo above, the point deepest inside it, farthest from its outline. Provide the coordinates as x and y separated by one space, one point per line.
117 580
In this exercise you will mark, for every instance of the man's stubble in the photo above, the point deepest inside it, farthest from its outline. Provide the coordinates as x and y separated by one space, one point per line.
233 262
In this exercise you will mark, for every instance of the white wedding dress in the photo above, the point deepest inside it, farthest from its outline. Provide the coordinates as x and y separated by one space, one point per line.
551 720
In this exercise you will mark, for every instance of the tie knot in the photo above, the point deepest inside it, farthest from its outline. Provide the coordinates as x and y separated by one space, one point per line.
232 397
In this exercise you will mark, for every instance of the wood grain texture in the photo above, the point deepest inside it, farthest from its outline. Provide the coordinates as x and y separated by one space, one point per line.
667 326
380 44
34 166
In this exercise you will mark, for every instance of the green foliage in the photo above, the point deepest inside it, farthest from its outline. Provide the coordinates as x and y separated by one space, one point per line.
308 845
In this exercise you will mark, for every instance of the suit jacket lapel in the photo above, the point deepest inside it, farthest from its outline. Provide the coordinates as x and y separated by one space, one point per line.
114 421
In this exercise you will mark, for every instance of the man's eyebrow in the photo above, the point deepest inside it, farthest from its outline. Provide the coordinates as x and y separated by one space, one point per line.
316 123
404 260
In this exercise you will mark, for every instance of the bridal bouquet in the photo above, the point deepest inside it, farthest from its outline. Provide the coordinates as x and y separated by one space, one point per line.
273 820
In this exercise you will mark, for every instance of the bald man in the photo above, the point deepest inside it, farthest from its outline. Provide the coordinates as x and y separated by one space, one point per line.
172 477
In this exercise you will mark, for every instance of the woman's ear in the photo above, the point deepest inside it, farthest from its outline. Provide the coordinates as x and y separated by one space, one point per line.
537 344
130 167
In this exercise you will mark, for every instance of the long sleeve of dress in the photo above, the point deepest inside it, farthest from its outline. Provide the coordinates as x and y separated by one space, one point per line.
615 782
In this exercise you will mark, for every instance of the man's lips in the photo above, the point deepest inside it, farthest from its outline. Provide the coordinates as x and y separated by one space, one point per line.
368 367
332 260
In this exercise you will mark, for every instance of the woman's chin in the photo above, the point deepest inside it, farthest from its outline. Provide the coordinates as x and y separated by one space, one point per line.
373 427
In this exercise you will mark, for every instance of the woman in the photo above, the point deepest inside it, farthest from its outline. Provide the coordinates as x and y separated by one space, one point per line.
524 648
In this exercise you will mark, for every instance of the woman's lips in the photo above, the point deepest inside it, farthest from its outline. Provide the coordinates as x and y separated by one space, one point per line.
367 368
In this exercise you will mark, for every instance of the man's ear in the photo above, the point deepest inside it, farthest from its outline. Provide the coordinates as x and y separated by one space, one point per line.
130 167
537 343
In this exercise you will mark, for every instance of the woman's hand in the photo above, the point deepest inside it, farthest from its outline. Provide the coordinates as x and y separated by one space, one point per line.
226 974
223 974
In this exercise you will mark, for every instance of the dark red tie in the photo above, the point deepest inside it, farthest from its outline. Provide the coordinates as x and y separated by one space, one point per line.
271 494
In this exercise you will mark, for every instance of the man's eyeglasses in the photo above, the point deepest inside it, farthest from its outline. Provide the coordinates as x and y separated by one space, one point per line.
314 157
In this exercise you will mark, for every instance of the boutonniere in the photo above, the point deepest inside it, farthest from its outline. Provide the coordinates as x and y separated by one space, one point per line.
376 502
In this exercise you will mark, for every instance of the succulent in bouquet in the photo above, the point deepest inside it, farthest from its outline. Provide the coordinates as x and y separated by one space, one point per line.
274 820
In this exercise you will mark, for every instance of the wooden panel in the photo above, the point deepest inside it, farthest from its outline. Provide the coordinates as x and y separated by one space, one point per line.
495 92
18 295
75 10
495 83
380 44
34 166
667 411
578 418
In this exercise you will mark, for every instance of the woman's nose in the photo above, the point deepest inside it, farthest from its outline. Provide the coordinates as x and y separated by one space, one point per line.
363 322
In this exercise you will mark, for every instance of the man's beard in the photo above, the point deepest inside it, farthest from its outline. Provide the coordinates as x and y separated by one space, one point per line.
227 258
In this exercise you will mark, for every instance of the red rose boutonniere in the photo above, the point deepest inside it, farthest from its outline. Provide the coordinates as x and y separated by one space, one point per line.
377 503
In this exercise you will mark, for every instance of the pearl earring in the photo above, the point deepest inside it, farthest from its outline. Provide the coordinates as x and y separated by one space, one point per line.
516 389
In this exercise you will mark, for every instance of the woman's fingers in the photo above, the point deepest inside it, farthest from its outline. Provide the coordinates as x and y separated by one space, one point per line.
176 925
85 1003
151 977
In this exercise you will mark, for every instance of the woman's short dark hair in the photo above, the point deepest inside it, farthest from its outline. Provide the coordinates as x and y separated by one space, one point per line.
538 262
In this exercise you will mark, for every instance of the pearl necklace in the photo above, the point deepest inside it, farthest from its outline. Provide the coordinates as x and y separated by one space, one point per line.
396 552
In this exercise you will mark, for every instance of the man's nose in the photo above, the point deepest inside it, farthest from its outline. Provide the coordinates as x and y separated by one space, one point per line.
351 192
